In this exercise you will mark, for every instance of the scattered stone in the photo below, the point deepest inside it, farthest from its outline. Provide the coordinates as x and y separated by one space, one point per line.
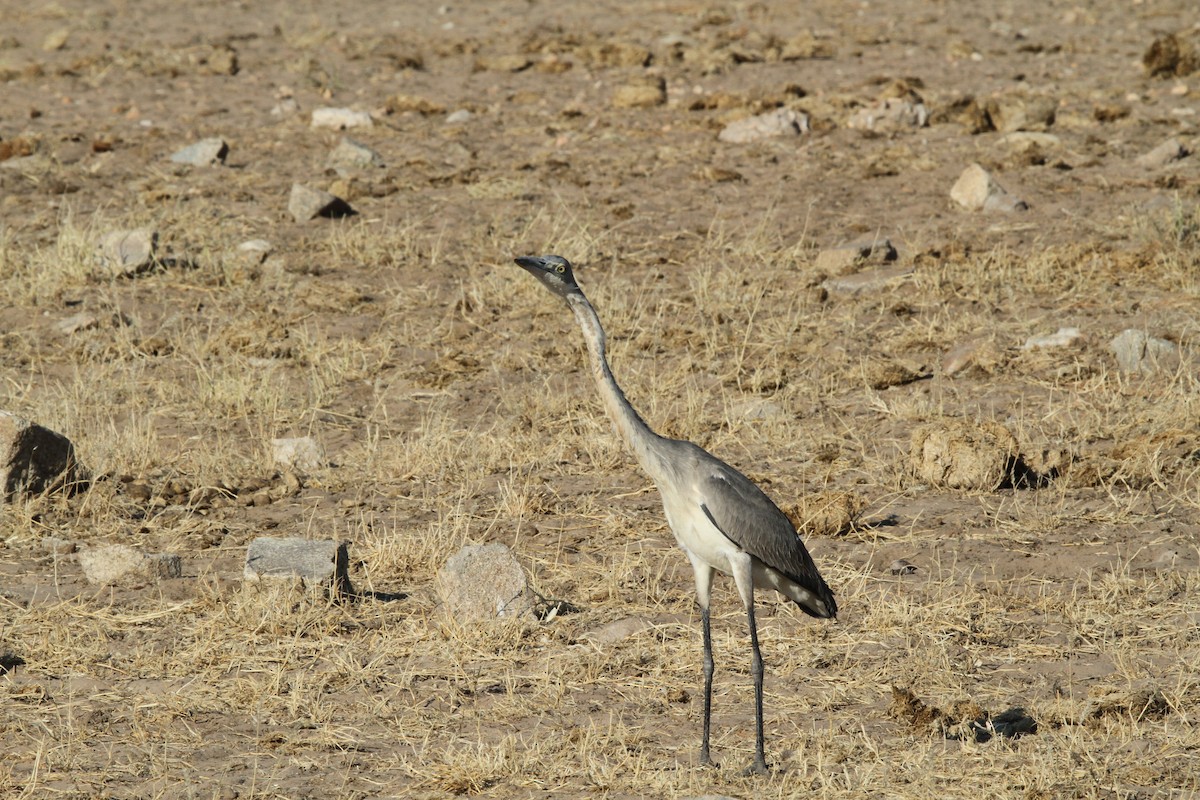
459 117
34 459
804 46
903 567
780 122
121 563
285 107
307 203
203 153
646 93
884 374
1026 141
615 631
56 40
977 190
510 62
867 281
854 255
484 582
83 321
128 253
1175 54
255 251
341 118
303 454
978 354
350 154
56 545
1138 351
958 454
315 562
1063 337
1170 150
1018 112
408 103
890 114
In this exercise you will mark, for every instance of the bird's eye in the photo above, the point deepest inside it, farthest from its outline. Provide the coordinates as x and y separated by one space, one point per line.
560 269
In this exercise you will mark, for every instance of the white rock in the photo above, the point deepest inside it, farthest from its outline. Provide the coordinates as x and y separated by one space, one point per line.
127 253
120 562
1138 351
780 122
341 118
34 459
1170 150
977 190
484 582
304 453
314 562
1063 337
203 153
458 117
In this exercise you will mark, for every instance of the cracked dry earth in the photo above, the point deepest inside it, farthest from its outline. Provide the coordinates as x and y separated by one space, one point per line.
1015 636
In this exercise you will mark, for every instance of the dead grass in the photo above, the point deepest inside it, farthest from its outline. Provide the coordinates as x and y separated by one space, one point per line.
450 393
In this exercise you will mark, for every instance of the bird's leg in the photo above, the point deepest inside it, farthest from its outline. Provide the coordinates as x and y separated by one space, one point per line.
708 676
756 667
704 577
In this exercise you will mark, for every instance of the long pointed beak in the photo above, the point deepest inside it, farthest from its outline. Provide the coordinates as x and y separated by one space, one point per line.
531 263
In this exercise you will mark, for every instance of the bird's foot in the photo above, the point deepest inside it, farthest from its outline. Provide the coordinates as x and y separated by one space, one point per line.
759 767
705 761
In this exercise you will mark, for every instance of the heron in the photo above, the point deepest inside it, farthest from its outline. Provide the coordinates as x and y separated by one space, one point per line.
721 519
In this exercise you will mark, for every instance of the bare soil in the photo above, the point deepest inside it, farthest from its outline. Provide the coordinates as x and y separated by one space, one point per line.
1052 608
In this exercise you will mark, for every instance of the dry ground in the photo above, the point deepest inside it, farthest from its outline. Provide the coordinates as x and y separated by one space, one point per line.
449 391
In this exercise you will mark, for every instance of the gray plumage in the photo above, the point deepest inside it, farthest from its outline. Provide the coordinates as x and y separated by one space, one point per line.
720 518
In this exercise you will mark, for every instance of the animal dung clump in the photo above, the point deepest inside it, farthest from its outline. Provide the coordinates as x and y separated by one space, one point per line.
958 454
828 513
963 720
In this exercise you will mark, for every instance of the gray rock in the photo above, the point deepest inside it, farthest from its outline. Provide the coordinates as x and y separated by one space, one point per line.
304 453
314 562
203 153
780 122
903 566
341 118
890 114
866 281
34 459
127 253
854 255
120 563
349 155
1138 351
1170 150
306 203
977 190
484 582
1063 337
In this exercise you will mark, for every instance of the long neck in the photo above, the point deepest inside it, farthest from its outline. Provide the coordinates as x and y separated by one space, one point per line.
630 426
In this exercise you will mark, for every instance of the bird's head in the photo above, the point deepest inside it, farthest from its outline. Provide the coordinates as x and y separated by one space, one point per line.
554 272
